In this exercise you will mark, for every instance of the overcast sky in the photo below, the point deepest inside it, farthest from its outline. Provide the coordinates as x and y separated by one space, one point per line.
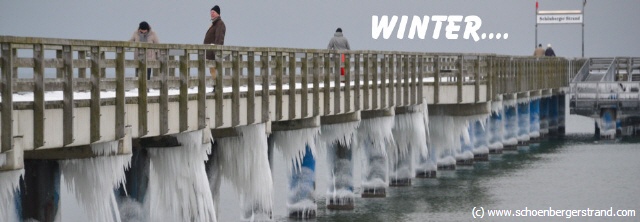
612 27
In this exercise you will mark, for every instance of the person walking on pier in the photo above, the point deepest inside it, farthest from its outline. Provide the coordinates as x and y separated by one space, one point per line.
539 52
339 42
549 51
144 34
215 36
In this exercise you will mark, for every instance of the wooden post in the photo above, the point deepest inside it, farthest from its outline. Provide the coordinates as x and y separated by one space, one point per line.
143 110
183 103
304 74
414 80
459 66
96 74
218 87
405 84
7 97
164 92
316 84
489 64
235 86
202 90
251 92
38 96
292 85
477 79
420 82
336 83
68 108
374 79
386 72
120 100
279 83
327 84
347 82
436 80
82 72
398 83
264 73
356 69
367 73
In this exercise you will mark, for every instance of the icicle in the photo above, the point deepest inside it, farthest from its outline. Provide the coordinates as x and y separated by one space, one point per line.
243 160
292 144
374 135
178 185
337 138
94 179
9 181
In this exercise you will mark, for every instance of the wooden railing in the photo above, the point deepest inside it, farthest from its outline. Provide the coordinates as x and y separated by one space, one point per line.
372 79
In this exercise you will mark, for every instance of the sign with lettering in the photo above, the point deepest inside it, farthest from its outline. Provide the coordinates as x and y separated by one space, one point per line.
559 19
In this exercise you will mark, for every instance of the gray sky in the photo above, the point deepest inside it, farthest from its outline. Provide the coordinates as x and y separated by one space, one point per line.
611 26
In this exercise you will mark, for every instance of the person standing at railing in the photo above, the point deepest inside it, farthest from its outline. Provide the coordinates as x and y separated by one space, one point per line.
539 52
144 34
549 51
215 36
339 42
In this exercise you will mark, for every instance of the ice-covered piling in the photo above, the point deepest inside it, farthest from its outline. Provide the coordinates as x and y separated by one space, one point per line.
534 117
374 135
178 185
510 139
9 194
243 160
480 144
338 140
523 119
40 192
410 144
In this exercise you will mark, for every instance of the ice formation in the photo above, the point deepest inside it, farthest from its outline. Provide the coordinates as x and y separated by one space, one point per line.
243 160
338 139
374 135
93 180
178 185
410 141
9 181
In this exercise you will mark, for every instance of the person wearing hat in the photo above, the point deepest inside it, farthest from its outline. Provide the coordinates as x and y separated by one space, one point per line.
549 51
539 52
339 42
215 36
144 34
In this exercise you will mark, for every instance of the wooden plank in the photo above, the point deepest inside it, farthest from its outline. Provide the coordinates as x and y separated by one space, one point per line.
386 70
436 80
347 82
235 86
460 78
367 73
279 83
96 73
304 75
164 92
374 79
218 88
60 70
202 90
183 98
67 91
251 92
7 97
414 80
38 96
316 84
143 110
421 70
477 79
264 73
327 83
405 84
337 99
120 100
82 72
292 85
356 90
398 84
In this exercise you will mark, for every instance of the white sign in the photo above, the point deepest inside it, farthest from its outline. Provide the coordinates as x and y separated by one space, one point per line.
559 19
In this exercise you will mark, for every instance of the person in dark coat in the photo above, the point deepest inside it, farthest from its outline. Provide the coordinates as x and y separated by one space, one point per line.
549 51
215 36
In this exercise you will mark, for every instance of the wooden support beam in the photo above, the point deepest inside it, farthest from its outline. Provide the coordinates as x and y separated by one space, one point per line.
68 108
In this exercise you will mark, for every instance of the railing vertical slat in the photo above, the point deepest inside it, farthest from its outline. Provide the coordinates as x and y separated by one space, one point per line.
279 83
120 100
374 79
7 97
386 70
398 84
327 83
251 92
219 87
347 82
68 107
304 72
459 65
292 85
405 84
235 86
264 73
367 73
184 92
414 81
202 90
96 74
489 69
420 81
38 96
436 80
356 90
143 109
316 84
337 99
164 92
477 79
82 72
59 71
